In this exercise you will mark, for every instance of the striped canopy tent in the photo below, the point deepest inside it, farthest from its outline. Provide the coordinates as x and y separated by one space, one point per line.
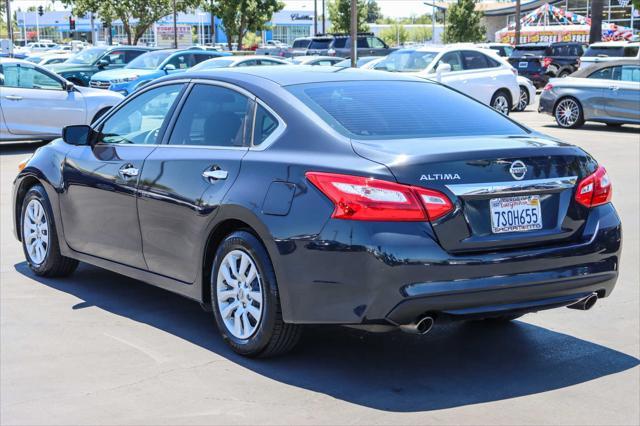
549 23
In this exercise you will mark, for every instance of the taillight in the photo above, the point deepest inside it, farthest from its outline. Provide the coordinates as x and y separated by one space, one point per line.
362 198
548 87
514 71
595 189
546 62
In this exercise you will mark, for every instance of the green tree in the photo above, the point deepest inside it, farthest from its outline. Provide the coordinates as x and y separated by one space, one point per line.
373 11
396 35
340 16
137 16
241 16
463 23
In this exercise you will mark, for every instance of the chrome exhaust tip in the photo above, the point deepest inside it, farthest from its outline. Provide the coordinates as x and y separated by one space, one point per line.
422 326
586 303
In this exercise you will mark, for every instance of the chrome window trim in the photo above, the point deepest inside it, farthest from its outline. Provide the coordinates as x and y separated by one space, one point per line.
519 187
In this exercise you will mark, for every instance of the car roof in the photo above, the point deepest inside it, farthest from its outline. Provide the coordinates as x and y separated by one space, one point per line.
593 68
287 75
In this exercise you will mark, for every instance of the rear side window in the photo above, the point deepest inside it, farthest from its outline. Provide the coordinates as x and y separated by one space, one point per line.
265 125
614 51
340 43
474 60
130 55
212 116
631 52
401 110
630 73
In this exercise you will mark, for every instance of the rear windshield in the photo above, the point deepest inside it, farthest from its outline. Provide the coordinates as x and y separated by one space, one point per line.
320 44
616 51
301 43
401 110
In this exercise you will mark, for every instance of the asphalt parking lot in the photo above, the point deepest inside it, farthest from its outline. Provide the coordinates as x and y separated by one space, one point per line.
98 348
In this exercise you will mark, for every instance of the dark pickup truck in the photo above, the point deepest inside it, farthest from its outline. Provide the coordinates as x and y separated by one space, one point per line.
541 61
340 45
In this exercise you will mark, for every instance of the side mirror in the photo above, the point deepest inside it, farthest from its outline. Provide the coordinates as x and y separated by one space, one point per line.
77 135
103 63
69 86
169 67
442 68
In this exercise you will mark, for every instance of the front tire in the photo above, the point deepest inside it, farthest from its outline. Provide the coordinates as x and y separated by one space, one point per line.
245 299
39 237
501 102
568 113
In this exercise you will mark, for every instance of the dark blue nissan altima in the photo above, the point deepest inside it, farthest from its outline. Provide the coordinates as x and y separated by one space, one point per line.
278 197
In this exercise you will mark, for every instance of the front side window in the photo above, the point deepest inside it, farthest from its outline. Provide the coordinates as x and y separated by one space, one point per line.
395 110
376 43
602 74
130 55
181 61
149 61
116 57
407 61
363 43
474 60
248 63
264 126
454 59
269 62
25 77
140 120
87 56
212 116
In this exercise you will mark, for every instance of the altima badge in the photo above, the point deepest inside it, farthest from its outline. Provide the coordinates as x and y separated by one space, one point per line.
518 170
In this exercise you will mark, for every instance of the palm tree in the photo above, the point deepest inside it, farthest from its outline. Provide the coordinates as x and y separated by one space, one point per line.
595 34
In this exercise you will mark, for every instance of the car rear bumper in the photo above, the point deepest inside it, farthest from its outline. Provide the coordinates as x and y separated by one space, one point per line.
381 273
547 102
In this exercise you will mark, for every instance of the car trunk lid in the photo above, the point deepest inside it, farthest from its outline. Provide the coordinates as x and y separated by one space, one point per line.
486 177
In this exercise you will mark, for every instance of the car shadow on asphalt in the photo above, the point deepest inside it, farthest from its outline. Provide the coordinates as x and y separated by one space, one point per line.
455 365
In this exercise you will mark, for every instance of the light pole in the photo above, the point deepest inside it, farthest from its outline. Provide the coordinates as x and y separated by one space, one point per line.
434 9
7 4
354 33
175 26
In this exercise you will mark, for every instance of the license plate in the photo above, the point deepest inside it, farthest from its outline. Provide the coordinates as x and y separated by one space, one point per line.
523 64
515 214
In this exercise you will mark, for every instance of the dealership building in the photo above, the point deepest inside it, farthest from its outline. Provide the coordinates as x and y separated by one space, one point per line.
285 26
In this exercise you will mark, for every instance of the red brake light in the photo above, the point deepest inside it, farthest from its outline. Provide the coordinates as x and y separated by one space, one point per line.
548 87
362 198
546 62
595 189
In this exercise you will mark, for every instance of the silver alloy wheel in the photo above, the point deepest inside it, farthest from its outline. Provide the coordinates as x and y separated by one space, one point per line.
567 112
35 231
501 104
239 294
523 102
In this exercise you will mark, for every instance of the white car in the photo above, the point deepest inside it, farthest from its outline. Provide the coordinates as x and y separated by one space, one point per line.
479 73
238 61
609 51
55 58
316 60
41 46
35 104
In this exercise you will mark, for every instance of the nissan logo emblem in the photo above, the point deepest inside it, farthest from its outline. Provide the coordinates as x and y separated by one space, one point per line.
518 170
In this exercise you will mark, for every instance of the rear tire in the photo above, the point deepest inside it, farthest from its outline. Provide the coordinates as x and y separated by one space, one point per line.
568 113
39 237
564 74
523 102
245 299
501 102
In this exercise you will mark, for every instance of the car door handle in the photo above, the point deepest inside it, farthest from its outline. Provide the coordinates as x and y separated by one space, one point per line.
613 87
215 174
128 171
13 97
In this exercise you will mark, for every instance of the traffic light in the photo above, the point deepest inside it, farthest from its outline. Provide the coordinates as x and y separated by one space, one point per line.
72 23
40 10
